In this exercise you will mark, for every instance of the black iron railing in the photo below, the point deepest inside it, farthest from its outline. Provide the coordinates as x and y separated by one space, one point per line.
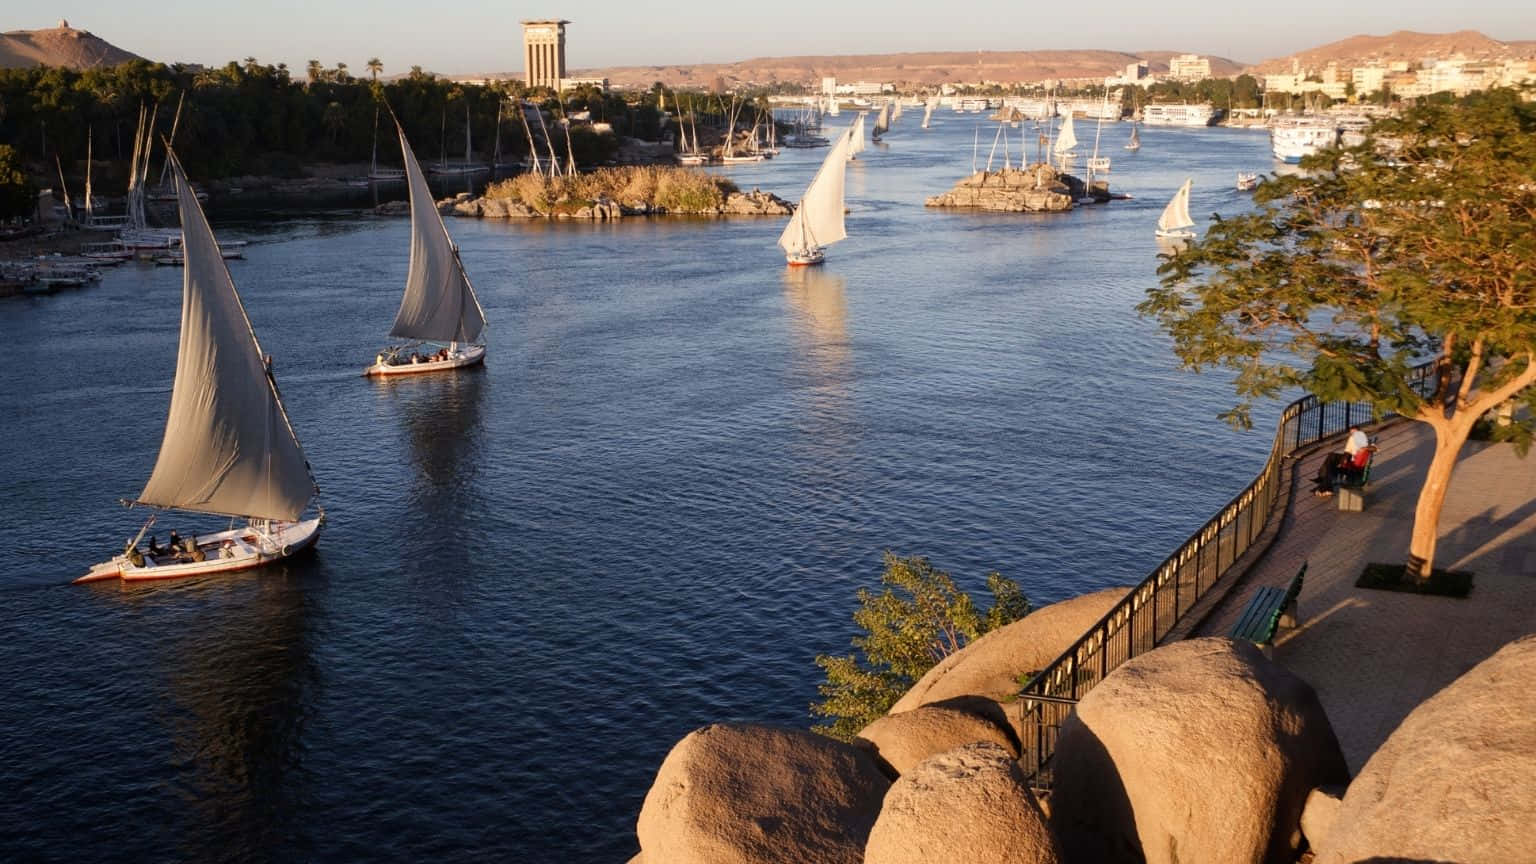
1151 609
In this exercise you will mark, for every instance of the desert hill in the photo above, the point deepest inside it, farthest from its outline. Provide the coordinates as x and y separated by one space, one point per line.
929 67
61 46
1402 45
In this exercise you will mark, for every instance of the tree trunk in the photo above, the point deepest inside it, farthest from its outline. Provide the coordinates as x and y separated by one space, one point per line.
1449 438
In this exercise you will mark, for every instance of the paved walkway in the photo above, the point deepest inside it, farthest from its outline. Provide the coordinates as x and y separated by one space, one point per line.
1375 655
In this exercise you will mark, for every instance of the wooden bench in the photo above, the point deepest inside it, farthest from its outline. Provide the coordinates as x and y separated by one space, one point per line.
1269 609
1351 489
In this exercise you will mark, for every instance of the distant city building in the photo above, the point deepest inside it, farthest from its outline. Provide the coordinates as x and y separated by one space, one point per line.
573 83
1135 73
1189 67
829 86
544 52
1368 79
864 88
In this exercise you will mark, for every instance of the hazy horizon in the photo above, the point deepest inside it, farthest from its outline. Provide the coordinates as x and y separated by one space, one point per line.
602 34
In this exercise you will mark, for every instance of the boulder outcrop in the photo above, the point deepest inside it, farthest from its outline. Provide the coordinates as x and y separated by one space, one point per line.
992 665
755 203
760 795
1038 188
1456 781
1201 750
900 741
968 806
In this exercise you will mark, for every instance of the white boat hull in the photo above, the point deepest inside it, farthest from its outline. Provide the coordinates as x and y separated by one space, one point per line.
806 257
248 549
468 356
1176 234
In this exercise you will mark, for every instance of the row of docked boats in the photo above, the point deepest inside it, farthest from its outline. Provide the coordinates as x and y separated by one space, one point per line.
229 448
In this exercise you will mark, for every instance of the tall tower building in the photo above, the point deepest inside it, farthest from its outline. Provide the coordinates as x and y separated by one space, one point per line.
544 52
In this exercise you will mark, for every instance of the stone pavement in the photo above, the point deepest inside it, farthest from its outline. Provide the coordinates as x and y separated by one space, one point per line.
1373 656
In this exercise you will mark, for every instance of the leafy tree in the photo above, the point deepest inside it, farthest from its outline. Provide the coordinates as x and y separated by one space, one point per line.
16 195
316 71
1416 245
375 66
919 619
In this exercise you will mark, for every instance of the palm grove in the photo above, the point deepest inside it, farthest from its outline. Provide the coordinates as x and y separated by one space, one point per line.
1408 258
252 118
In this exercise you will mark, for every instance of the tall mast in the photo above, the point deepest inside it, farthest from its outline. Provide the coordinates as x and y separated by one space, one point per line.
89 135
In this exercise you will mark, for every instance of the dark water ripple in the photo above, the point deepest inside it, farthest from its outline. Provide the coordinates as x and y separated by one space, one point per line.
650 511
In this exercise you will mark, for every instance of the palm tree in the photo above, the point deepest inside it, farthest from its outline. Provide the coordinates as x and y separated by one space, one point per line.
341 72
315 71
375 66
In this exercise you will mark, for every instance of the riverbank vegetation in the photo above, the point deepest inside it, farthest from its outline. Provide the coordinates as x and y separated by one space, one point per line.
919 618
1414 247
657 186
249 118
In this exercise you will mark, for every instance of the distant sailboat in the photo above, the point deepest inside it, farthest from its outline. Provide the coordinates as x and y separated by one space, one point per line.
1135 143
1064 143
818 221
933 102
439 305
882 122
376 173
1175 223
856 137
444 169
228 447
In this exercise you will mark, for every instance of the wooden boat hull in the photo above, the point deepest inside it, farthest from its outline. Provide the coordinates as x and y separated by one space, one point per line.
248 551
469 356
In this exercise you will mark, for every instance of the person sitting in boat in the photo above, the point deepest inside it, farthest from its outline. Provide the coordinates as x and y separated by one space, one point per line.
135 557
415 358
227 550
173 546
155 549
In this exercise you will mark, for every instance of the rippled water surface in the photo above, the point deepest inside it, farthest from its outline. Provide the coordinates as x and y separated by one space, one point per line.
649 511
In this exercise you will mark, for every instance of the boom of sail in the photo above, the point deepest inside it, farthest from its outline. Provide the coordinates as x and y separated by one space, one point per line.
439 304
228 447
818 221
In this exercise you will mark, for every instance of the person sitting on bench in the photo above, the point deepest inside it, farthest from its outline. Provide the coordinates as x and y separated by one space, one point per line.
1343 465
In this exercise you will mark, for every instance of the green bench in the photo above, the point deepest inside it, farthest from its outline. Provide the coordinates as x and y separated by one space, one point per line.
1267 611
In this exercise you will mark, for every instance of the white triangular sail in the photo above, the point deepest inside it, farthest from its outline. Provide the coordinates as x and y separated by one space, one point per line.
933 102
856 136
882 121
228 446
1176 215
439 305
818 221
1135 143
1066 140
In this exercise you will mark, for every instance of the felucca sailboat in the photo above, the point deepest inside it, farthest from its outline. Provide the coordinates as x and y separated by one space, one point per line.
818 221
228 448
1175 223
439 306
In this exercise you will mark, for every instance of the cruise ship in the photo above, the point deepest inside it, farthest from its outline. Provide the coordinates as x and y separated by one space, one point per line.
1182 114
1292 138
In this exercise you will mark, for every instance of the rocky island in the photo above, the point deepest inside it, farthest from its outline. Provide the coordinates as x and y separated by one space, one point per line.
614 193
1038 188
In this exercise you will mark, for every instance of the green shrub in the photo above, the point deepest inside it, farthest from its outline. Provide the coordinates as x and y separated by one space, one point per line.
919 619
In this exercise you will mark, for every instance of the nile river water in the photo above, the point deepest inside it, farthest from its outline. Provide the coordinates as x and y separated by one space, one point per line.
648 512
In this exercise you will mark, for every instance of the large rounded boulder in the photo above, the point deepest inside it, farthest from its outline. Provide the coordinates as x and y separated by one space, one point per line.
967 806
1456 781
741 794
1198 751
992 665
900 741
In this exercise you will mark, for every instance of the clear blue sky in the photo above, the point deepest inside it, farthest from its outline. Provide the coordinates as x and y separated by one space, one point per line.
467 36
